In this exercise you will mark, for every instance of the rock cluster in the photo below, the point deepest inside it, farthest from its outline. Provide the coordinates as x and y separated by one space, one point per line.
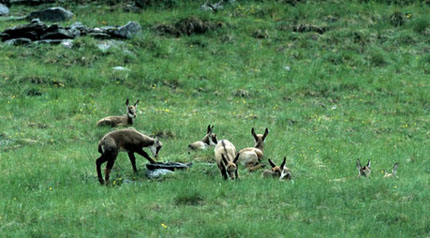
39 32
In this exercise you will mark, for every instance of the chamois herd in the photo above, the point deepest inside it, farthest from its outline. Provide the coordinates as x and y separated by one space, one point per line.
226 156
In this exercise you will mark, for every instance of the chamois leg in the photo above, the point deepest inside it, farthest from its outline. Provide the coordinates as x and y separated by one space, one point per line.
99 163
144 154
132 160
236 175
108 169
223 172
110 161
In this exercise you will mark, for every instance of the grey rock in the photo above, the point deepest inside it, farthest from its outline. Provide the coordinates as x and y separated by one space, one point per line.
128 30
157 173
58 33
120 68
52 42
18 41
53 14
3 10
31 31
67 43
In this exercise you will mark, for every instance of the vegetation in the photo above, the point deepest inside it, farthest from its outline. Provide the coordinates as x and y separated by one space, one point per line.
334 81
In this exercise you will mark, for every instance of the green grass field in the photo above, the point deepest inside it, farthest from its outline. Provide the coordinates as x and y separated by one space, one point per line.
360 90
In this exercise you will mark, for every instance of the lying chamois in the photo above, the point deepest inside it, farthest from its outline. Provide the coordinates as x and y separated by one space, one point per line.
208 140
129 140
393 172
125 120
281 172
363 170
226 159
251 157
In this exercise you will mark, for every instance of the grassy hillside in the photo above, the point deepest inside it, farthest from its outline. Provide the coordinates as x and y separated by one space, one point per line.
334 81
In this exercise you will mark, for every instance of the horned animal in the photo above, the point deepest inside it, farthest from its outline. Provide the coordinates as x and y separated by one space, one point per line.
363 170
281 172
251 157
125 120
129 140
208 140
227 159
393 172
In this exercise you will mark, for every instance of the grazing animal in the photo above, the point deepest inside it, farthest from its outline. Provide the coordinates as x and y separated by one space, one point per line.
227 159
125 120
363 170
393 172
129 140
281 172
208 140
251 157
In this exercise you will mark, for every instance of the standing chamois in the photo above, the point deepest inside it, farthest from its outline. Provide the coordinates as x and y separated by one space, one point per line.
125 120
226 159
129 140
251 157
208 140
281 172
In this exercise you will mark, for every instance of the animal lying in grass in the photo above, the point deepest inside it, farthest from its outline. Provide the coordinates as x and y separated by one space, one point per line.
393 171
280 172
251 157
363 170
227 159
129 140
208 140
125 120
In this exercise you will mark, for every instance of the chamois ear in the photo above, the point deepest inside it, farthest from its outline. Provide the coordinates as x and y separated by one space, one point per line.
208 131
358 164
271 163
266 132
224 159
126 102
283 163
212 128
253 134
236 159
137 101
368 164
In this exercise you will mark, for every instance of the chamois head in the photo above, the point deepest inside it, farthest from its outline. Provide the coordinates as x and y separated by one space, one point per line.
281 172
210 137
230 166
365 170
131 109
393 172
156 147
259 138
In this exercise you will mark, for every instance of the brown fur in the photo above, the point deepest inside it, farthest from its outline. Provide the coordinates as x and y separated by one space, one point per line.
363 170
280 172
125 120
227 159
251 157
129 140
208 140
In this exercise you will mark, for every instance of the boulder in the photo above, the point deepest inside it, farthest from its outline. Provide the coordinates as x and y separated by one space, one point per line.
53 14
128 30
4 10
31 31
18 41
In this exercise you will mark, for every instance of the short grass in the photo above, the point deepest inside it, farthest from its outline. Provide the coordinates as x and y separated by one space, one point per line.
360 91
